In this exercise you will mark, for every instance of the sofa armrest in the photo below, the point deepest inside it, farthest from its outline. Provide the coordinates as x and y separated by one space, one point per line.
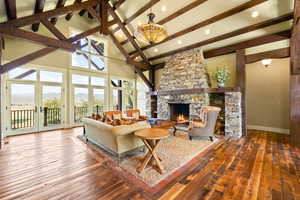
128 129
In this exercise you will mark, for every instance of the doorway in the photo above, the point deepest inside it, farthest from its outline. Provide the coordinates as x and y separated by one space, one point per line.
35 101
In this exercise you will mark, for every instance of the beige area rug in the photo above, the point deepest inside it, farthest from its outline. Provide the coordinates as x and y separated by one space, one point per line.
175 152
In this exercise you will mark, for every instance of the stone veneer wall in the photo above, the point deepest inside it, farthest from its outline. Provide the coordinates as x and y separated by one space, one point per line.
185 70
233 114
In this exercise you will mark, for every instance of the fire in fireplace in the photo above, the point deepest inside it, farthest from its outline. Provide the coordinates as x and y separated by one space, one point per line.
179 112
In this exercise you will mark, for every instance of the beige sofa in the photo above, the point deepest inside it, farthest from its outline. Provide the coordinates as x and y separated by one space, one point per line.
116 139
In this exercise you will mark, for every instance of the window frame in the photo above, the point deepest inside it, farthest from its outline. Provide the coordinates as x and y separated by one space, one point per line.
89 53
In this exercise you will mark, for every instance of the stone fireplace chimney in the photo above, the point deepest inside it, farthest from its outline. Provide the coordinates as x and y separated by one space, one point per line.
187 70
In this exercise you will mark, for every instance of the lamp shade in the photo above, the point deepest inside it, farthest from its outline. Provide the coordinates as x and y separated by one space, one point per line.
151 32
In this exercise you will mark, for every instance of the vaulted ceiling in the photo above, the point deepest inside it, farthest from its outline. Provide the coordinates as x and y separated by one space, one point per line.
190 23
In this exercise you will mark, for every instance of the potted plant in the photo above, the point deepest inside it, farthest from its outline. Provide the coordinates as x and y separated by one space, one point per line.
221 76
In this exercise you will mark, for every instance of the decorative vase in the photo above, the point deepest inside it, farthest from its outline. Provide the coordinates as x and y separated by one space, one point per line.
221 85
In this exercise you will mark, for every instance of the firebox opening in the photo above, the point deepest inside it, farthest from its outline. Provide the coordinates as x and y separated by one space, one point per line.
179 111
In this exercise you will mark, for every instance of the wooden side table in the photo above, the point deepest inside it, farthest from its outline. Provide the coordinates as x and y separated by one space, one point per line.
151 138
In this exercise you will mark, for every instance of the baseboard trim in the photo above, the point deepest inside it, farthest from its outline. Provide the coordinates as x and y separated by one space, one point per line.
270 129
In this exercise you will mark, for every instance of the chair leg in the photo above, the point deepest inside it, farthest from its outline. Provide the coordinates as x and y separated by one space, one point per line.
190 137
211 138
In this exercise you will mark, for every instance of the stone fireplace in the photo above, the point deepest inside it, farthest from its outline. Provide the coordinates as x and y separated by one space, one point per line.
184 78
179 110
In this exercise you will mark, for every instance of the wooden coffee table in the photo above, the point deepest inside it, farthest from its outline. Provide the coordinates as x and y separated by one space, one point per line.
151 138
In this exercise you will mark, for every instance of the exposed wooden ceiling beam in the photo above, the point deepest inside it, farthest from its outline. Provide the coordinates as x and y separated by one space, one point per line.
104 17
283 35
127 33
118 4
295 40
137 13
10 31
209 21
235 33
138 64
70 15
28 20
274 54
37 54
11 9
53 29
39 7
243 45
60 4
128 59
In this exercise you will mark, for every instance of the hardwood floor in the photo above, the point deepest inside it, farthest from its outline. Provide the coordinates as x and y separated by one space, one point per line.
56 165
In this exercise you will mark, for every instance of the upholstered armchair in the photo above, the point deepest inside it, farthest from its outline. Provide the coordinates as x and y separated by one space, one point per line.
205 127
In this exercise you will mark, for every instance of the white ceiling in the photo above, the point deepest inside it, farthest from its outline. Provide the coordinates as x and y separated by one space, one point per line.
267 10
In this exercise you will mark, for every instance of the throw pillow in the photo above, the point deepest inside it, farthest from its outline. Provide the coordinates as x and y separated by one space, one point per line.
108 117
136 115
117 116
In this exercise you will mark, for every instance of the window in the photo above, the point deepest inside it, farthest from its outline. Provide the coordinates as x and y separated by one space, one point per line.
55 77
23 74
89 95
80 79
142 90
97 81
90 55
123 96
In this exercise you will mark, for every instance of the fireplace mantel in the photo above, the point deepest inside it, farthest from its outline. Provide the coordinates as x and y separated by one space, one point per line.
194 91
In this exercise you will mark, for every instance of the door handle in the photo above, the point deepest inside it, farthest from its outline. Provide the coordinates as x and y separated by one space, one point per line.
41 109
35 109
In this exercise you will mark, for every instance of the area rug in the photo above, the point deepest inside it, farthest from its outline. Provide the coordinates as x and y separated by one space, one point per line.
175 152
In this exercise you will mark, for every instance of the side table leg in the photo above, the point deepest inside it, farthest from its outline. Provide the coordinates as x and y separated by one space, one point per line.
174 132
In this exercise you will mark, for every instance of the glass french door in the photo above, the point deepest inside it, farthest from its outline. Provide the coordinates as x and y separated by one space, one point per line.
33 107
22 108
51 107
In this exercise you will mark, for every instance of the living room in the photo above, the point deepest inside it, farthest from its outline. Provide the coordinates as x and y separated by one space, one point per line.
120 99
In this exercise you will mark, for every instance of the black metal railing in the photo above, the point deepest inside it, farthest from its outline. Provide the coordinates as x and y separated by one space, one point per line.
98 109
79 113
52 116
22 118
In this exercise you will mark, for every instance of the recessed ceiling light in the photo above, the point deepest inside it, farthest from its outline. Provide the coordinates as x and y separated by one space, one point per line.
179 42
254 14
155 50
207 31
163 8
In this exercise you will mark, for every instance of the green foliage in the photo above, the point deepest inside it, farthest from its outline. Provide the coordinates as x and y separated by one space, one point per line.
222 75
52 103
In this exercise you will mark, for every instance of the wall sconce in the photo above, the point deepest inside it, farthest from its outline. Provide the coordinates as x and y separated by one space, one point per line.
266 62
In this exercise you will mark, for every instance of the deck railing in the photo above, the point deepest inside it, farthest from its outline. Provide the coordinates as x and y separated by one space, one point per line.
52 116
22 118
79 113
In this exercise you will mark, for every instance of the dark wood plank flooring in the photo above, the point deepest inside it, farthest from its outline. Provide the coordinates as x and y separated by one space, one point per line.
56 165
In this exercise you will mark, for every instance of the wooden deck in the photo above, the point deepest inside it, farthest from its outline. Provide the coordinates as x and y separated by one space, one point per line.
56 165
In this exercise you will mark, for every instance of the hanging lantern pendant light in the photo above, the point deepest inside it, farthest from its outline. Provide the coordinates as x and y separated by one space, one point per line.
151 33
